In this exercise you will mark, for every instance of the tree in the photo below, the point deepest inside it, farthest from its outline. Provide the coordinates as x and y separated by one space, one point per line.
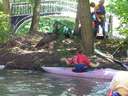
6 6
36 16
5 21
6 10
1 5
76 29
4 27
119 7
86 26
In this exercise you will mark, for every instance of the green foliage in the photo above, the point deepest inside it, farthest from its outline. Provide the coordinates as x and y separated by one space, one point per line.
1 5
46 25
64 52
32 2
119 7
4 27
22 0
124 30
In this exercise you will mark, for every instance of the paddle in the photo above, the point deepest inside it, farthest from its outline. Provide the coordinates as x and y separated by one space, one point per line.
110 58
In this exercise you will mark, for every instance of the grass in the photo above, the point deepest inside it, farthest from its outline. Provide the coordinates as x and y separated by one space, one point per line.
46 24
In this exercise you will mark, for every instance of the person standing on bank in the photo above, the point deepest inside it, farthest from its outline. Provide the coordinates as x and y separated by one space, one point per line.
94 19
100 15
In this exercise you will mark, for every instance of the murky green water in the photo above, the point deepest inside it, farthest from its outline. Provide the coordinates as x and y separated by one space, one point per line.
28 83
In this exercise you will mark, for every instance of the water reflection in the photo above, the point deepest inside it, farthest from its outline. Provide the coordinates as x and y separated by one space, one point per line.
77 86
29 83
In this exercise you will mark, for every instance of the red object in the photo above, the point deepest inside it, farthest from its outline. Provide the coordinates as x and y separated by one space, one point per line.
79 59
109 93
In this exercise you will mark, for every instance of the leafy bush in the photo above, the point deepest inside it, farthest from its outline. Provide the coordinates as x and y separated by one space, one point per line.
4 27
46 25
119 7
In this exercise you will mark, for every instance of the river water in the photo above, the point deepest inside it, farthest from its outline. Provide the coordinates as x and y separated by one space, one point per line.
32 83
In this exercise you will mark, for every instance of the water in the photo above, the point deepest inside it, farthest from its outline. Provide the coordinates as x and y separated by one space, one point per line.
29 83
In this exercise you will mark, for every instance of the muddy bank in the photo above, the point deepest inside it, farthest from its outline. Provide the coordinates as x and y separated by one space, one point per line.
20 53
28 59
33 60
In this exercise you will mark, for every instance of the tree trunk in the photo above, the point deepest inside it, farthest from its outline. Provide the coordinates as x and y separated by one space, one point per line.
6 9
35 18
6 6
46 40
86 26
76 29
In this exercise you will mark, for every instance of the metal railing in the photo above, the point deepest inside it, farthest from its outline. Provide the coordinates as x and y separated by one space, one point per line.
46 6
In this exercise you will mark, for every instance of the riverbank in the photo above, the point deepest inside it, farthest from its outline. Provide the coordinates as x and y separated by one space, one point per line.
20 53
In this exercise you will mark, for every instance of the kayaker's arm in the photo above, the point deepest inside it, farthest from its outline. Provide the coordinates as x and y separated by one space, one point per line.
68 61
94 65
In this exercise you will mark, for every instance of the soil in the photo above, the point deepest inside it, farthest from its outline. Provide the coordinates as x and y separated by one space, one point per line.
20 53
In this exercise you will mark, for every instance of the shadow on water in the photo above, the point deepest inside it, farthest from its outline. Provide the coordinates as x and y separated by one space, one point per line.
31 83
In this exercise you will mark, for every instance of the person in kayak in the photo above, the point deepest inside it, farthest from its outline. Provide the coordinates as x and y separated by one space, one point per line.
80 62
119 85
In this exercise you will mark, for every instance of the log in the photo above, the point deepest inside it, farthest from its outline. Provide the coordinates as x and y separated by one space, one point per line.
47 38
110 58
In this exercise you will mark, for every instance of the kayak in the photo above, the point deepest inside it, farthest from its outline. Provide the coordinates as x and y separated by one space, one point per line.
95 73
